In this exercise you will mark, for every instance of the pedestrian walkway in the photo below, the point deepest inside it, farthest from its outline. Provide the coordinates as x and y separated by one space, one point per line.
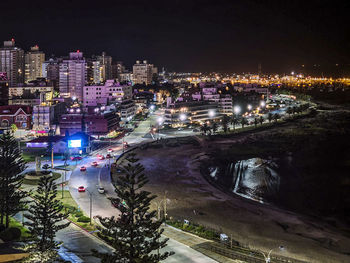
194 242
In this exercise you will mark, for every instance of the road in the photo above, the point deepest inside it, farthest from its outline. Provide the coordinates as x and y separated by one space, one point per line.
95 177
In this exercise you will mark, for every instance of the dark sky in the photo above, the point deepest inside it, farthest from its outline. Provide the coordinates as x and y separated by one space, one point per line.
217 35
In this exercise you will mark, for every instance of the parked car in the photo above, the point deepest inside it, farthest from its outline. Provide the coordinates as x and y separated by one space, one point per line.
195 130
83 168
180 129
76 158
110 150
94 164
81 189
101 190
108 156
101 157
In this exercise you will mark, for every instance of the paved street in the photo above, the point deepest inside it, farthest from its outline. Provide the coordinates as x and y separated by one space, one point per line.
94 177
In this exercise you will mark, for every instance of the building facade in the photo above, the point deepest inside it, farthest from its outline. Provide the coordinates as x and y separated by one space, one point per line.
12 62
72 76
33 61
180 113
20 115
46 117
4 89
106 66
143 72
109 93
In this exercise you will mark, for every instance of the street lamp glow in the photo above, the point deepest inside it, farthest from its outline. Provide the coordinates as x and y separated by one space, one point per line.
236 109
152 107
160 120
74 98
182 116
262 103
249 107
211 113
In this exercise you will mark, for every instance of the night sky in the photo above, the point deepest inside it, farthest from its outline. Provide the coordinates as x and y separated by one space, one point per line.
220 35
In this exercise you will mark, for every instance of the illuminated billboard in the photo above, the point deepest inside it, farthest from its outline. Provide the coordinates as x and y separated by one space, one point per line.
74 143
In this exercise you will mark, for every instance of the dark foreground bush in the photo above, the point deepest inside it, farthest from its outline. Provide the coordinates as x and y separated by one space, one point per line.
10 234
84 219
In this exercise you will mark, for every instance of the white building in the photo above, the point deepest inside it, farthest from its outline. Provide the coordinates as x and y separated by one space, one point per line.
45 116
72 76
33 60
111 92
12 62
127 110
143 72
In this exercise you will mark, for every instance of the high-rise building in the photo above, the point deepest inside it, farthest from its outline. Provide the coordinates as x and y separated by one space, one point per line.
12 62
106 64
143 72
94 71
4 89
72 76
33 60
51 71
117 69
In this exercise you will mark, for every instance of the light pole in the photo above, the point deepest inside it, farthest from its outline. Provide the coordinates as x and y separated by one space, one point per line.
90 195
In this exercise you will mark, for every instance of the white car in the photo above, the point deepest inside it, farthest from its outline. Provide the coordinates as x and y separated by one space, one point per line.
101 190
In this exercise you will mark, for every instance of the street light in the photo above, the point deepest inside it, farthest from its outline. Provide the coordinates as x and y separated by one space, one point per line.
249 107
262 103
90 195
267 256
236 109
211 113
182 116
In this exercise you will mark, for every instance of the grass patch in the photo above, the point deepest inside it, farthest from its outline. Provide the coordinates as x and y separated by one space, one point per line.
36 181
71 207
25 235
65 168
195 229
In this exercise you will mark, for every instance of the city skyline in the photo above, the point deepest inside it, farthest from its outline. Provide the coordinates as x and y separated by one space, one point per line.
220 36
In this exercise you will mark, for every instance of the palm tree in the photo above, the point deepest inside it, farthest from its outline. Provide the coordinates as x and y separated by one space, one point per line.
224 121
256 121
215 127
276 117
234 121
243 122
270 116
204 128
261 120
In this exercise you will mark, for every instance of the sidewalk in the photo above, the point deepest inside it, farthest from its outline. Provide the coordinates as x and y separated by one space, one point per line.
194 242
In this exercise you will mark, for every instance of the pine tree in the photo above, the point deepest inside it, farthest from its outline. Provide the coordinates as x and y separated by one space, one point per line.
45 214
11 167
135 234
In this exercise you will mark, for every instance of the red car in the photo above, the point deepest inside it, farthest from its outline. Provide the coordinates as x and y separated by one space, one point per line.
110 150
94 164
83 168
81 189
101 157
76 158
108 156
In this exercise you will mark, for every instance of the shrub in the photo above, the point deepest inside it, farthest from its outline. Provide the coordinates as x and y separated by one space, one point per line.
69 208
10 234
84 219
78 214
